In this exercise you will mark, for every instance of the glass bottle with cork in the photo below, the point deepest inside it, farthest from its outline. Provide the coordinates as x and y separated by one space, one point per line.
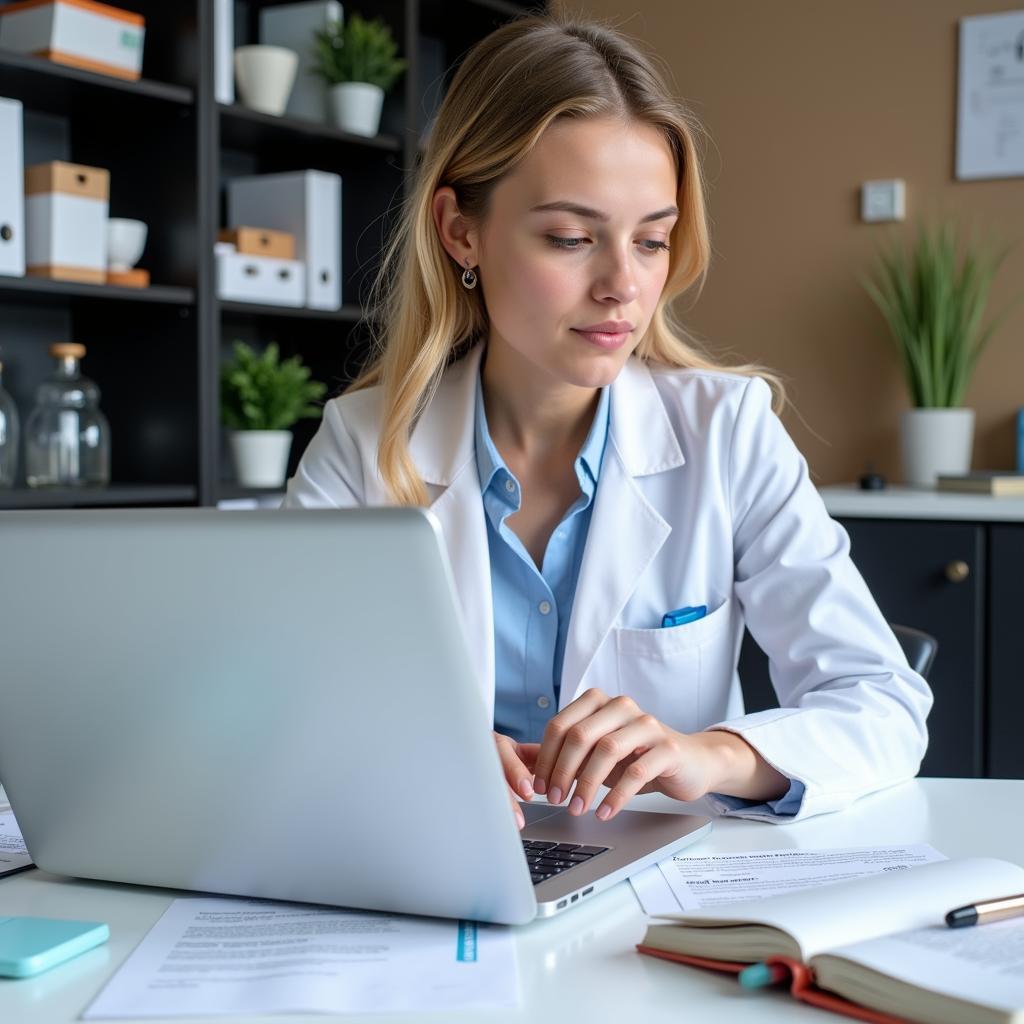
67 437
9 432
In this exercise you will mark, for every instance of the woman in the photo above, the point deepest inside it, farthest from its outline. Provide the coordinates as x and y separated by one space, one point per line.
592 471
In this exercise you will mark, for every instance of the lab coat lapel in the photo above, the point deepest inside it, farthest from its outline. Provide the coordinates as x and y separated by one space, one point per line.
442 447
626 531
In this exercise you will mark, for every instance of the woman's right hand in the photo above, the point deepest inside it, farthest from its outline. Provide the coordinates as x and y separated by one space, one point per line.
517 761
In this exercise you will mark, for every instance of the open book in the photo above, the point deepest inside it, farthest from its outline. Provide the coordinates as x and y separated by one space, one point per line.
875 948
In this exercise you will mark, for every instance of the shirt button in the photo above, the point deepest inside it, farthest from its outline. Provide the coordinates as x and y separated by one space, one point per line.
510 485
544 607
543 702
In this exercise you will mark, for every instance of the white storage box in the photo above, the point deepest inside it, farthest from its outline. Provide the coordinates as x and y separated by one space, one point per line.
306 204
66 213
12 198
293 26
81 33
264 279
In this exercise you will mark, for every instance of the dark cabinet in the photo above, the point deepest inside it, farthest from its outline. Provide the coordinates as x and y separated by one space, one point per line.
1006 652
933 576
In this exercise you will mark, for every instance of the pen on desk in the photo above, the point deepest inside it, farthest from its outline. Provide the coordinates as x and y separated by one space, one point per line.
985 911
762 975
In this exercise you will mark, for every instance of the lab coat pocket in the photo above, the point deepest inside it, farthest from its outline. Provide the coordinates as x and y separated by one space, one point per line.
676 673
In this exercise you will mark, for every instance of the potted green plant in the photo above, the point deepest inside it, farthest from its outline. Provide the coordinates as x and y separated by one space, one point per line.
934 307
261 396
357 58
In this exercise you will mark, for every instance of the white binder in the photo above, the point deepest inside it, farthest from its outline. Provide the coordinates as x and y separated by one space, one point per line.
224 51
307 204
293 26
12 190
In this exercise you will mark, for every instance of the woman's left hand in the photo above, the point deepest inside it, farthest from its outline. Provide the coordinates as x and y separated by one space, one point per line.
599 740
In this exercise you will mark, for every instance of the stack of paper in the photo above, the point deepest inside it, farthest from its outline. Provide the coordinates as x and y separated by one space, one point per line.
686 883
13 853
209 957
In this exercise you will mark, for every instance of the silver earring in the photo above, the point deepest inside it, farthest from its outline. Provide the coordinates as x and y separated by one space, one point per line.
468 278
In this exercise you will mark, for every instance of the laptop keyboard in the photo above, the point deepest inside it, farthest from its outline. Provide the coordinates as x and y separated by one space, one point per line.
549 859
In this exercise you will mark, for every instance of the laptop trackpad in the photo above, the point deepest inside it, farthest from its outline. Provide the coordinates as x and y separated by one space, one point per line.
538 812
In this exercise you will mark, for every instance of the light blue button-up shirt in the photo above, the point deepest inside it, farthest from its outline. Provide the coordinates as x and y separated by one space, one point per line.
532 606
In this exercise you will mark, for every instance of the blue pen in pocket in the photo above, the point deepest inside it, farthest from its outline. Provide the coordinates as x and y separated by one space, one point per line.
683 615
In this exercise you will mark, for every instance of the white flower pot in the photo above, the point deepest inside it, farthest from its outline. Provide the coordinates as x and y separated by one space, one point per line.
265 76
356 107
125 241
935 441
261 456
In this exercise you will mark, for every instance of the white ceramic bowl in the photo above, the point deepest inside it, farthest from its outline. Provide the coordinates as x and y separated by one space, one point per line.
265 76
125 241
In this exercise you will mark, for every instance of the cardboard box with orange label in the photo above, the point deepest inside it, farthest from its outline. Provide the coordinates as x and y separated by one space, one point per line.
80 33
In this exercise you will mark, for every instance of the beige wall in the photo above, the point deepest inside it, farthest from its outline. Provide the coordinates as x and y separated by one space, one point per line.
804 100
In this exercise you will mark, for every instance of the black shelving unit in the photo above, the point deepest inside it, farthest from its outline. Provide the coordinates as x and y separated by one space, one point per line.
246 129
59 89
347 314
171 147
46 292
114 496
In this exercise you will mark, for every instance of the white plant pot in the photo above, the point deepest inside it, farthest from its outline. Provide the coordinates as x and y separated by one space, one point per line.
125 241
265 76
935 441
356 107
261 456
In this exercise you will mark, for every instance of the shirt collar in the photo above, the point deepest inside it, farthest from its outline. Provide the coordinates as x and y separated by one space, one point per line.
491 466
640 432
489 462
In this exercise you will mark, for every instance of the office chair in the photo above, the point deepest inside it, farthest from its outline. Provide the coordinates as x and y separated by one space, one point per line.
918 646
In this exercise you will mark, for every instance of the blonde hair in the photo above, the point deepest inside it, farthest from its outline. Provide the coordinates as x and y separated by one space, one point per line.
511 85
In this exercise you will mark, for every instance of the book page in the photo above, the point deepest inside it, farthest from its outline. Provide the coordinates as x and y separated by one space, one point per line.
983 965
866 908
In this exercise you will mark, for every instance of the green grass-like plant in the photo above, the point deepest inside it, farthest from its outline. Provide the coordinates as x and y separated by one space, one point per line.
934 309
260 392
357 51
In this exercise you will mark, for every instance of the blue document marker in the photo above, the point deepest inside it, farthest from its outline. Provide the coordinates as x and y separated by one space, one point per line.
30 945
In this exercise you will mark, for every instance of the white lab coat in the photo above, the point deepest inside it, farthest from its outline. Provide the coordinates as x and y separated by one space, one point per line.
702 499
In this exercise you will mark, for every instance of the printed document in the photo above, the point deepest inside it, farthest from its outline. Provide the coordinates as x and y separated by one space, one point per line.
13 852
687 883
215 956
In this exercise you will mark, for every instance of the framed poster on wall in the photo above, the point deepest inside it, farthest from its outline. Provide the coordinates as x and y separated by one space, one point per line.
990 97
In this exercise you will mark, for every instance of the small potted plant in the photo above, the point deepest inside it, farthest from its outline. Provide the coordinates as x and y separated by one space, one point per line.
934 309
357 60
260 398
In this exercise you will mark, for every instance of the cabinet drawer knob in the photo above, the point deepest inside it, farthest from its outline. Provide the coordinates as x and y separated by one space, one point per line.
957 571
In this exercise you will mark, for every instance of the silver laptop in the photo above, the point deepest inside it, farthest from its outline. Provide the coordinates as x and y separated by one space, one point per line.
277 704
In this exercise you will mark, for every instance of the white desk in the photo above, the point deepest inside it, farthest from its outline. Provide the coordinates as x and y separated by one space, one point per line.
920 503
581 966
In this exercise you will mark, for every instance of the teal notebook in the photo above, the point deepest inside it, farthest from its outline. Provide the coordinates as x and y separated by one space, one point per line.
29 945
